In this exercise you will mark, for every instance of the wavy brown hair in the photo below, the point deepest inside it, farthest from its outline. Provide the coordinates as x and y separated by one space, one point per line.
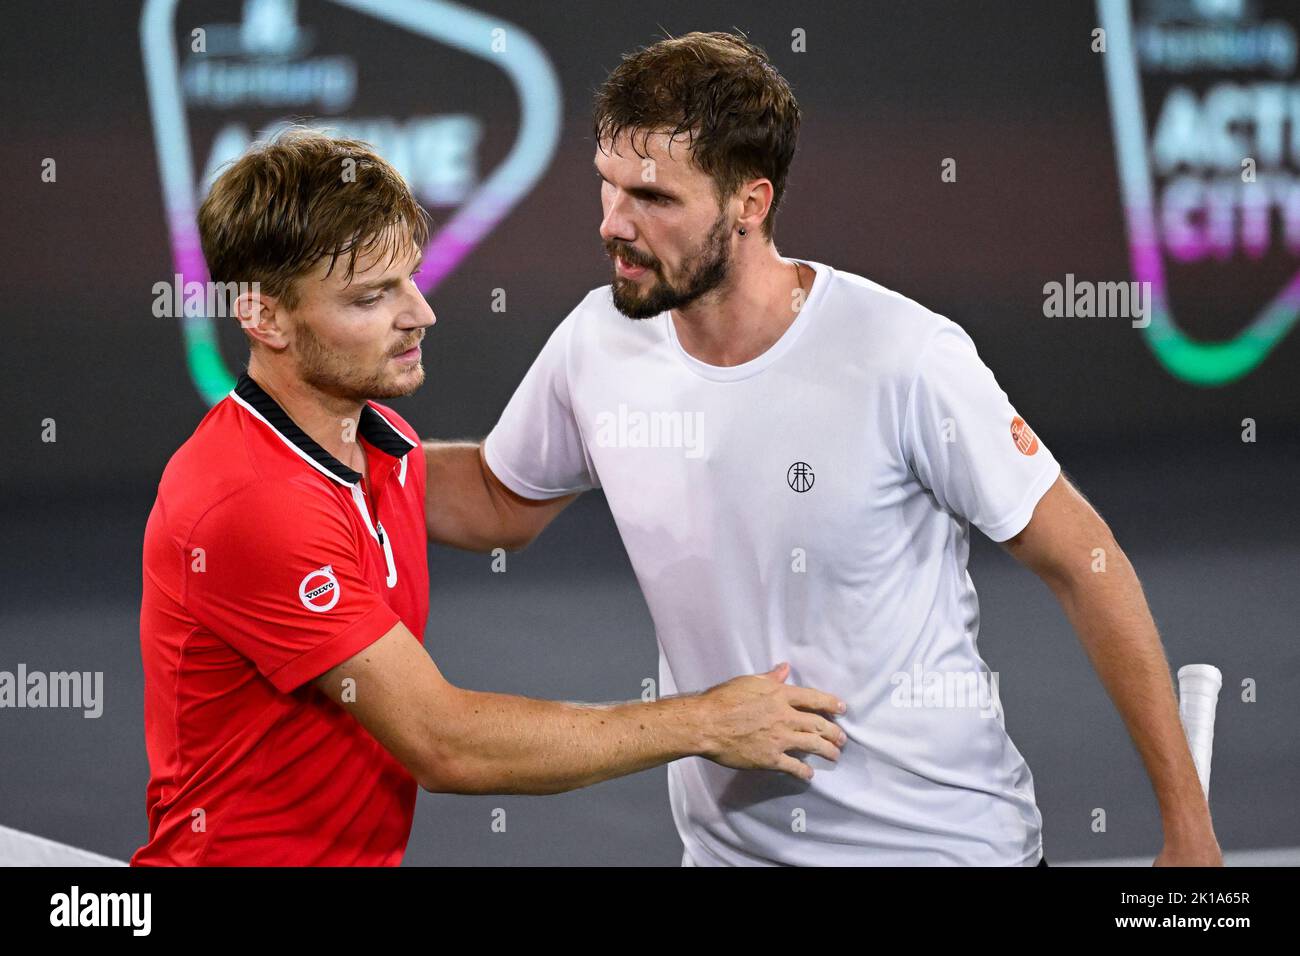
719 89
304 196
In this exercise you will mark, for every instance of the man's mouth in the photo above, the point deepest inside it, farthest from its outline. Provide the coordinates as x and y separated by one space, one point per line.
627 270
410 355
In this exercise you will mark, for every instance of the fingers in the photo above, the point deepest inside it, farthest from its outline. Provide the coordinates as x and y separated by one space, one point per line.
813 724
815 744
808 698
795 768
809 743
779 673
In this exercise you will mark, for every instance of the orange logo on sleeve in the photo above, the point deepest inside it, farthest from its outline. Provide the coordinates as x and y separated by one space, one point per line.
1024 437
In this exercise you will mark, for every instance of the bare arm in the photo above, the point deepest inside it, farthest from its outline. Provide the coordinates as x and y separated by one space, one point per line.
462 741
466 505
1109 613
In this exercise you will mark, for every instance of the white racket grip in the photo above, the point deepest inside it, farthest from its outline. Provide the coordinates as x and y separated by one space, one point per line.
1198 695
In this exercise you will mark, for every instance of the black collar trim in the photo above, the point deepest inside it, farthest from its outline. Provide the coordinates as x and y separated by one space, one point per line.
374 428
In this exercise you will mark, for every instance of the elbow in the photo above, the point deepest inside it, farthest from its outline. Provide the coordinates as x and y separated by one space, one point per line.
520 541
441 772
1081 563
498 545
510 539
469 777
441 763
456 763
447 769
435 780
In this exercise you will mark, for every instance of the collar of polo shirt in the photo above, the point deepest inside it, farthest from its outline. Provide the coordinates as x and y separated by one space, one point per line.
373 427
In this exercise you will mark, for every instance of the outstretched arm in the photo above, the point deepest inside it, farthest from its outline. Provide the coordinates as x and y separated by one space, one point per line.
1109 613
454 740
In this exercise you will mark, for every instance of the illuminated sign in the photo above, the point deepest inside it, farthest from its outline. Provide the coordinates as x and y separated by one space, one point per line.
1215 178
268 61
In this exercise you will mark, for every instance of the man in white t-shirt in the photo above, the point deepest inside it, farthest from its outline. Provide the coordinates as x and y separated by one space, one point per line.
794 455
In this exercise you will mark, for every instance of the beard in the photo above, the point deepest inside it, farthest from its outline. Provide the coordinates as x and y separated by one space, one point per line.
702 272
336 373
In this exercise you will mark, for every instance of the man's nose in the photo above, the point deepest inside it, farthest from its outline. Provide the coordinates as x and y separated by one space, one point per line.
617 224
420 314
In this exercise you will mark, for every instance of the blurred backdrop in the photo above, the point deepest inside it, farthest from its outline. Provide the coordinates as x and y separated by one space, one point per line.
966 154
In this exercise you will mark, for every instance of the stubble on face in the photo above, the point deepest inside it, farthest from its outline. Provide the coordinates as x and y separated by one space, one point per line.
701 272
336 372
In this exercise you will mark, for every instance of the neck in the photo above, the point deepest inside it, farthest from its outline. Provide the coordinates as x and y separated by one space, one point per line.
324 417
747 314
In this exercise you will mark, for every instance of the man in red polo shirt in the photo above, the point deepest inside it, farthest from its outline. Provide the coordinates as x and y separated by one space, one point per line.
290 707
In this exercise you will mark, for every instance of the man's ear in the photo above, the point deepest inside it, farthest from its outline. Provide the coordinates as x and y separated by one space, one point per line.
262 316
755 204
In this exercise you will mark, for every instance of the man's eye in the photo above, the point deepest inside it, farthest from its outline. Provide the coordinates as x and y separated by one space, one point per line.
370 299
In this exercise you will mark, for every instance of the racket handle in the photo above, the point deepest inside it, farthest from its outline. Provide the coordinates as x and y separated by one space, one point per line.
1198 695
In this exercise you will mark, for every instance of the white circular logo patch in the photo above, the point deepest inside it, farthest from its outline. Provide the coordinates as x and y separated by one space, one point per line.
319 590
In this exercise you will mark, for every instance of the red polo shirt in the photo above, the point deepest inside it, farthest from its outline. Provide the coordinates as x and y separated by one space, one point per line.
267 562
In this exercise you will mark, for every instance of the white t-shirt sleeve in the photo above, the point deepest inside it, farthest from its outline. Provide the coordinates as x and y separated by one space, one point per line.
536 448
965 442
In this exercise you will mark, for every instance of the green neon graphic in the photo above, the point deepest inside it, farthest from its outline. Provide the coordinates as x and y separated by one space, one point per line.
1208 364
1212 364
203 358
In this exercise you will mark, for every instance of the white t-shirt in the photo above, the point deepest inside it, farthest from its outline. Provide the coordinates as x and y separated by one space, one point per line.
811 505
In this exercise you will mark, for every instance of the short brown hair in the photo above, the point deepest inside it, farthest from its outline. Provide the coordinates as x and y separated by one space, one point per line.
723 92
290 202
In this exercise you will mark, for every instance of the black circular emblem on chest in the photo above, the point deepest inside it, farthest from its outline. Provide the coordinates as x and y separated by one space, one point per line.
800 477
